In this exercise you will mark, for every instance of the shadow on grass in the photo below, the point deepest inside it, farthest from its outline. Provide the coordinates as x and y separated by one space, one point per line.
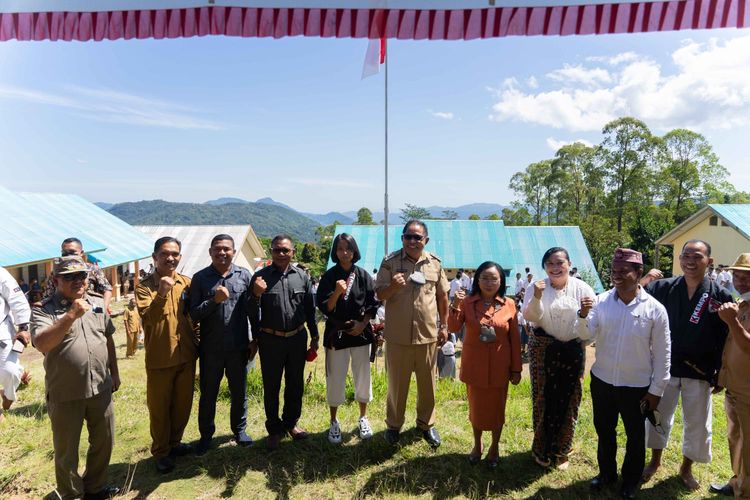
450 475
36 410
307 461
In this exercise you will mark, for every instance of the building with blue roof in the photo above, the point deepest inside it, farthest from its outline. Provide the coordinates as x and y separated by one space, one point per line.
726 227
34 225
465 244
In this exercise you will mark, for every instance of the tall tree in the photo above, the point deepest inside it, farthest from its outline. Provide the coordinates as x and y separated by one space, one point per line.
449 215
627 153
414 212
529 186
364 217
474 217
581 180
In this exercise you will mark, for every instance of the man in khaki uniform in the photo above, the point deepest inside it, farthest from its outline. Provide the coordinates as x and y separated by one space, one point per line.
170 343
735 377
413 286
132 328
74 332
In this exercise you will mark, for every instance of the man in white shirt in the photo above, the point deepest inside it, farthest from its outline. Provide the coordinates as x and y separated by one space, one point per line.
14 313
520 285
725 277
456 284
466 279
631 371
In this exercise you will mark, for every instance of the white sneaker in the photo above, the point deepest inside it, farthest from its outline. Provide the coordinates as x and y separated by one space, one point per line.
334 433
365 431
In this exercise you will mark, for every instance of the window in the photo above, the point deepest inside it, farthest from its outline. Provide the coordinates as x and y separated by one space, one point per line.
713 221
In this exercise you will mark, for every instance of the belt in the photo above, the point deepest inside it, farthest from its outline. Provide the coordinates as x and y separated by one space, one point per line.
448 355
280 333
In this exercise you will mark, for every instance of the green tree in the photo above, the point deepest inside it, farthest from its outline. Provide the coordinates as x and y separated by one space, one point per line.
414 212
581 180
449 215
517 216
364 217
474 217
529 186
626 153
648 225
492 217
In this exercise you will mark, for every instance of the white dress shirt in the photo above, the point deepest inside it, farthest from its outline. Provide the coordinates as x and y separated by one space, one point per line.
557 310
14 308
520 285
455 285
632 341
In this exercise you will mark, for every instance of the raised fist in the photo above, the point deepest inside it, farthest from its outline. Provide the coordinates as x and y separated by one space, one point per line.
341 287
586 304
221 294
460 296
165 285
398 281
259 287
79 307
728 312
539 287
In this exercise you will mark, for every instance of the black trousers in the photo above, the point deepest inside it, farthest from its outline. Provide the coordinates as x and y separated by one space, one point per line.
214 365
282 356
610 402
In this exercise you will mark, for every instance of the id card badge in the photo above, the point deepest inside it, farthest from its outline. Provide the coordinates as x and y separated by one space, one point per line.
18 347
418 277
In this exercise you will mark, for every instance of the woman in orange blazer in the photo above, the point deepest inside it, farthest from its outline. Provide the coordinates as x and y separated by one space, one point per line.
491 355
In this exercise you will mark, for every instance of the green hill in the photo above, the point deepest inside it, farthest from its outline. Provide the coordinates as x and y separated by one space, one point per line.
267 220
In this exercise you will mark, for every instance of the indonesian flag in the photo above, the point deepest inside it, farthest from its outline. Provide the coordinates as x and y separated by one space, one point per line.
374 57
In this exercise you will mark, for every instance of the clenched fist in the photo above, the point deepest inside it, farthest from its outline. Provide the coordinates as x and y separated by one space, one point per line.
341 287
398 281
79 307
586 304
165 285
459 297
259 287
728 312
539 287
221 294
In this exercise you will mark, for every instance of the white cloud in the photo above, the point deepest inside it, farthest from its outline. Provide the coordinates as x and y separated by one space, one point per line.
616 59
114 107
555 144
444 115
709 88
532 82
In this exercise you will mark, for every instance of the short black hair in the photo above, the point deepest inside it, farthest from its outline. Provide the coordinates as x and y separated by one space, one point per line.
166 239
412 222
71 240
702 242
554 250
351 242
483 267
280 237
222 237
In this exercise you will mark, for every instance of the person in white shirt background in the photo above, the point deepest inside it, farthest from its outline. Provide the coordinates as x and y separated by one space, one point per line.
631 371
15 313
520 285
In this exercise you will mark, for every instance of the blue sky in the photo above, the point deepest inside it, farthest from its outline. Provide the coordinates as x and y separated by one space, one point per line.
200 118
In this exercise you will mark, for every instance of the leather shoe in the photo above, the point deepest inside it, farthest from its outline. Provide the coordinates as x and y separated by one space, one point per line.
165 464
629 491
297 433
180 450
725 489
242 439
273 442
392 436
432 437
203 445
600 482
103 494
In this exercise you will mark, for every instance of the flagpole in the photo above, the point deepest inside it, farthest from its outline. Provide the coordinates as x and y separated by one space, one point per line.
385 218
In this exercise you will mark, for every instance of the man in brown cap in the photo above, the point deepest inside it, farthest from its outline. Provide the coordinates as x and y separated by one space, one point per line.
170 343
631 330
735 377
74 332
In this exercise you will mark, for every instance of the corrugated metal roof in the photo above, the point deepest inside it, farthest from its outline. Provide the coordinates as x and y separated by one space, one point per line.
32 230
195 243
466 244
737 215
458 243
122 243
529 243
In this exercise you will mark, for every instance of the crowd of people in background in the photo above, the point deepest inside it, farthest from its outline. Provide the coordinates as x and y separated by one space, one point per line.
657 340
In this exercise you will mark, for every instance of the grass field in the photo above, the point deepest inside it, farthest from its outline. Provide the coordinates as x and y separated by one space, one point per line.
316 469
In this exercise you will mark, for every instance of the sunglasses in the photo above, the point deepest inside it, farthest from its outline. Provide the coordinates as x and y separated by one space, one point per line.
412 237
282 251
75 276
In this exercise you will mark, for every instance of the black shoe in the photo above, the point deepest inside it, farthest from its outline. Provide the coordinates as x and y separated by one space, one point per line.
103 494
474 459
600 482
242 439
203 445
629 491
432 437
725 489
492 463
180 450
392 436
165 464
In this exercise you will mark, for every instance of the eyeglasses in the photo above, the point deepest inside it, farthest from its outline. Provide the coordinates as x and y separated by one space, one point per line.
412 237
282 251
75 277
490 280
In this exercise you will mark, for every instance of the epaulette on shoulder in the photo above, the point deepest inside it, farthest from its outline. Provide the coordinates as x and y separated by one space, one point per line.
433 256
393 255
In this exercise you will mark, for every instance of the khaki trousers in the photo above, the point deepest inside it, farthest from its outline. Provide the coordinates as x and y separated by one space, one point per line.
400 362
132 342
67 421
738 432
169 396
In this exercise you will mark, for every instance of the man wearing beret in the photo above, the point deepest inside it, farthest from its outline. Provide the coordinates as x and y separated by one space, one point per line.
631 330
698 335
74 332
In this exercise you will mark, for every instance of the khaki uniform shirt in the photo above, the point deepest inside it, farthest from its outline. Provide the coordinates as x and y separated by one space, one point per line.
132 321
78 367
411 314
735 364
168 333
